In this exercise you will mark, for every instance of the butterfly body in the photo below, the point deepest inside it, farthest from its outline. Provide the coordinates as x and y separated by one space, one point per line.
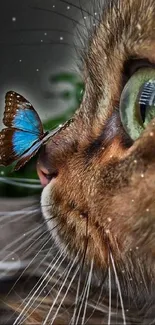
23 135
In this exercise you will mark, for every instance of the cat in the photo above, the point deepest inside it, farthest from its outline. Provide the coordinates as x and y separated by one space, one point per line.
97 205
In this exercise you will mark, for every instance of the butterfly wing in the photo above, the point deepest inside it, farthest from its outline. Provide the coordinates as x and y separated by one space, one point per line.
29 154
20 114
14 143
22 137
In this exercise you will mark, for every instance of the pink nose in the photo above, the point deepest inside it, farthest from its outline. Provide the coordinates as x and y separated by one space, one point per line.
43 174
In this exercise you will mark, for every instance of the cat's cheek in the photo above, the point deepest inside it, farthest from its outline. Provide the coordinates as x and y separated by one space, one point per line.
48 208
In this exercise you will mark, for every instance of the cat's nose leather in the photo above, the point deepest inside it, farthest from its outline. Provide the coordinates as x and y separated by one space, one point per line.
43 174
46 168
53 156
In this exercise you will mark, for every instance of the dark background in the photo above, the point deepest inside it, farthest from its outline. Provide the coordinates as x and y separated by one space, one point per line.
37 40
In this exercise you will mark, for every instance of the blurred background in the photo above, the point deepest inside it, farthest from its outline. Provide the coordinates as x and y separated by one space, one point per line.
40 57
37 40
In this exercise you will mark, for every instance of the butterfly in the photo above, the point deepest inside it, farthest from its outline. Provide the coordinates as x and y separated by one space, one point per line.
23 135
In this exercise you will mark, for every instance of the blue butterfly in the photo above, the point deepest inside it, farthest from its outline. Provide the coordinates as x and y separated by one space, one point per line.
23 135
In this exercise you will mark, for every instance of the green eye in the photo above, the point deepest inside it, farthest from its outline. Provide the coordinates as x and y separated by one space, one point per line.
137 102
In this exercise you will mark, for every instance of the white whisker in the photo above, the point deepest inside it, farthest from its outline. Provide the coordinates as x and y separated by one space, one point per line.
21 238
62 286
51 267
13 213
64 273
28 265
96 306
88 290
72 322
119 289
109 311
14 217
44 287
55 315
83 294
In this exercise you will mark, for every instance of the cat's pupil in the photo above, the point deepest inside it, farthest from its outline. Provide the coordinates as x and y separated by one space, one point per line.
147 100
143 111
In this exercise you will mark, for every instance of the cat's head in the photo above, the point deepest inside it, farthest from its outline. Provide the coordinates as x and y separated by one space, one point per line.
100 180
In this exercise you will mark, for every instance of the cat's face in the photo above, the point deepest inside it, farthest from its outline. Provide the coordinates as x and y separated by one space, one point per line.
100 183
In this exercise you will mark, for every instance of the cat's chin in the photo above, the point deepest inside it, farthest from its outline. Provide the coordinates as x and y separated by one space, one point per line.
51 221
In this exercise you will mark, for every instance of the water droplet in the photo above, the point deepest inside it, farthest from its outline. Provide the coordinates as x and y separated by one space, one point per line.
45 34
2 172
20 60
151 134
135 161
147 210
37 70
53 6
142 175
94 24
68 7
95 13
137 247
109 219
14 19
61 38
132 200
41 40
85 17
